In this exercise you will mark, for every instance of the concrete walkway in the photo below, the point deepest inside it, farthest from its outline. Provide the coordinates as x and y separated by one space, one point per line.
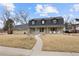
36 51
38 46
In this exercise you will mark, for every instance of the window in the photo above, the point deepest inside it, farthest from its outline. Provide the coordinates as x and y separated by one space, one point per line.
33 22
43 22
54 21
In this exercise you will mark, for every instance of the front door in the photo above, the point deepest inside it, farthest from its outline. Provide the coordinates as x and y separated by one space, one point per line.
41 29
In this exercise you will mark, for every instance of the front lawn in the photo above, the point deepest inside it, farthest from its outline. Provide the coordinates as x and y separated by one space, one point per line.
17 41
60 42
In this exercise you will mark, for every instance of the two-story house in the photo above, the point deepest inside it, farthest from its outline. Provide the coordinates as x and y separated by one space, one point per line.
47 25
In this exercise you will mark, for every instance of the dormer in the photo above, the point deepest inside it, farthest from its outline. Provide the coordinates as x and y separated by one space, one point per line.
54 20
43 21
33 22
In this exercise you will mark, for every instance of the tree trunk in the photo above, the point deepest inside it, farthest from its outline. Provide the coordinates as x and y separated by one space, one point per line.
10 31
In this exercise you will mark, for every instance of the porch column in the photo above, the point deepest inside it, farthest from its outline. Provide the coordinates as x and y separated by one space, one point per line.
47 30
35 30
29 30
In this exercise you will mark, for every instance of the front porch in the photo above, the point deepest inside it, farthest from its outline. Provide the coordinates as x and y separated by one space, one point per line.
46 29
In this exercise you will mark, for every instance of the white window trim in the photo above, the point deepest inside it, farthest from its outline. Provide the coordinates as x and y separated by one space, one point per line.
43 21
33 22
54 21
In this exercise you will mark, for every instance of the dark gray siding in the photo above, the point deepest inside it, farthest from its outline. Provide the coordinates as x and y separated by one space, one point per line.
48 21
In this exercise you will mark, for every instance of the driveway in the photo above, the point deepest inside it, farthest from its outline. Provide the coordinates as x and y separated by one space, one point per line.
8 51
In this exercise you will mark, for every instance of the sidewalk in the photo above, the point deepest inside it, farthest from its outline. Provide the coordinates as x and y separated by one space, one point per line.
8 51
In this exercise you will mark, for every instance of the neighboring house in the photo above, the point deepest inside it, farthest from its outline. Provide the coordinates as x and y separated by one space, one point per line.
73 28
77 25
46 25
21 27
77 28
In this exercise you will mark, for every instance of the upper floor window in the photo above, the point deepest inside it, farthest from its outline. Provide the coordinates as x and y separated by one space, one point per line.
54 21
33 22
43 21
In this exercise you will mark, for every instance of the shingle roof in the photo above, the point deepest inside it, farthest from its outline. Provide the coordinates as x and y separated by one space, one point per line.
77 19
48 21
47 18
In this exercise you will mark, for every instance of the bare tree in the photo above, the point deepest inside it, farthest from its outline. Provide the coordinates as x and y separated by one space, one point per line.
5 16
22 17
67 24
7 21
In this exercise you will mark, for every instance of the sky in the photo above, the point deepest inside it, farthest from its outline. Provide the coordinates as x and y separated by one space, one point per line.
42 10
37 10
